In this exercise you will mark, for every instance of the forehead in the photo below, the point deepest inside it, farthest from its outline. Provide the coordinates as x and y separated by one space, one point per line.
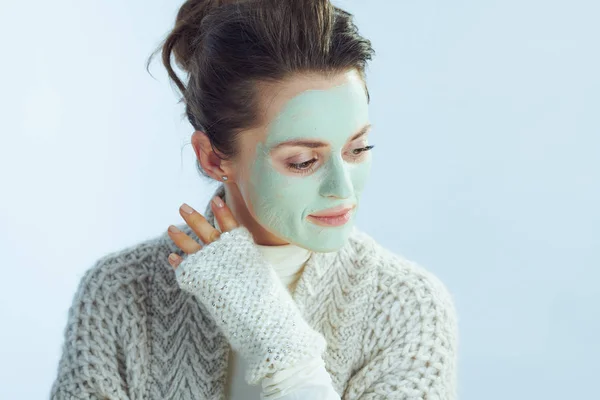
330 109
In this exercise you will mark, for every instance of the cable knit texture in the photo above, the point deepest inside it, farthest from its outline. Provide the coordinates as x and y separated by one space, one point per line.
249 304
133 333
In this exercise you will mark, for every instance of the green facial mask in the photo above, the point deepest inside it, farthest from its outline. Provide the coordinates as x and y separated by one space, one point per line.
281 202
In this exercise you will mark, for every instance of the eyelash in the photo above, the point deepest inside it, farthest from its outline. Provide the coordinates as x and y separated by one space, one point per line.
301 167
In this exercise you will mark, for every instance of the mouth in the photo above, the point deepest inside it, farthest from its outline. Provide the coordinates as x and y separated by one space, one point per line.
336 216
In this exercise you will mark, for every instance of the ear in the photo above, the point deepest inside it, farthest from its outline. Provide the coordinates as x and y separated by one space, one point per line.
208 157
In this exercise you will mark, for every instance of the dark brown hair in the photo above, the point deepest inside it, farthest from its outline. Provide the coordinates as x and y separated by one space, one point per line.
228 47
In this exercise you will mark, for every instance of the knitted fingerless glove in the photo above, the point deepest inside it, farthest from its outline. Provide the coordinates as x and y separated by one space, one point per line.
249 303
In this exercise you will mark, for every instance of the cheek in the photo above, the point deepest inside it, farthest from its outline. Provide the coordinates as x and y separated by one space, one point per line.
281 197
360 175
251 180
262 187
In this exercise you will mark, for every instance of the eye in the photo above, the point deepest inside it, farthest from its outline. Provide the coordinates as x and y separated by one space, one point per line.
360 150
358 153
303 167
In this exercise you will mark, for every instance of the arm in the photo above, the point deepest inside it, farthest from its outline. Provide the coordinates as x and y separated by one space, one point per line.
413 343
250 305
253 309
88 367
307 380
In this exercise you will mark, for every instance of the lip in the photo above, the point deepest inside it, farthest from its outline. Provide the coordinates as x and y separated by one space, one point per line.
332 212
332 221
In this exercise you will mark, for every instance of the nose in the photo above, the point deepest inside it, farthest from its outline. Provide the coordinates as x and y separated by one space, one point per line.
336 180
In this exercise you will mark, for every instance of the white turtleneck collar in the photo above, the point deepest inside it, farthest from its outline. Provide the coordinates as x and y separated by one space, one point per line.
287 260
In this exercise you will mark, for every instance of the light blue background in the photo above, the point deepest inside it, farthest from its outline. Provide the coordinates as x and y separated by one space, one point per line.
486 171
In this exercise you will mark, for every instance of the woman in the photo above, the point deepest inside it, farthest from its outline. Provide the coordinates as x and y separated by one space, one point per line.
271 292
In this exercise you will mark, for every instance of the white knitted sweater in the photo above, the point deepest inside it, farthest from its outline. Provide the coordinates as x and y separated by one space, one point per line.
132 333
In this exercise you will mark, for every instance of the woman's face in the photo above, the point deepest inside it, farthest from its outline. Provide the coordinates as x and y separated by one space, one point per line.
307 157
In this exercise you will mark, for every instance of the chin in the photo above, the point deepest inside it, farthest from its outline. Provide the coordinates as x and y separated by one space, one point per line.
325 243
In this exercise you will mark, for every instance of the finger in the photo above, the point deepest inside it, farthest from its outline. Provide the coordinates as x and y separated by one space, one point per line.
183 241
205 231
223 215
174 260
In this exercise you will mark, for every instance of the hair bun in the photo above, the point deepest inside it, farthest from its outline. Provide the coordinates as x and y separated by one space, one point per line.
186 35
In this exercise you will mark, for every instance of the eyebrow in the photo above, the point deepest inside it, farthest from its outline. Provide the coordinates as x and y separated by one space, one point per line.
314 144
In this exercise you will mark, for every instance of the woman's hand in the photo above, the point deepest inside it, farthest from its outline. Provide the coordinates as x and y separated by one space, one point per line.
242 294
205 231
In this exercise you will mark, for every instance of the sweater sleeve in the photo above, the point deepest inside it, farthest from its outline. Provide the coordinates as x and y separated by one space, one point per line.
412 344
88 367
248 302
306 380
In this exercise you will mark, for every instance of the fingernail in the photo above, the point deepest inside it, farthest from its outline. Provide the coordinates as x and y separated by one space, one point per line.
218 201
173 229
173 257
187 209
